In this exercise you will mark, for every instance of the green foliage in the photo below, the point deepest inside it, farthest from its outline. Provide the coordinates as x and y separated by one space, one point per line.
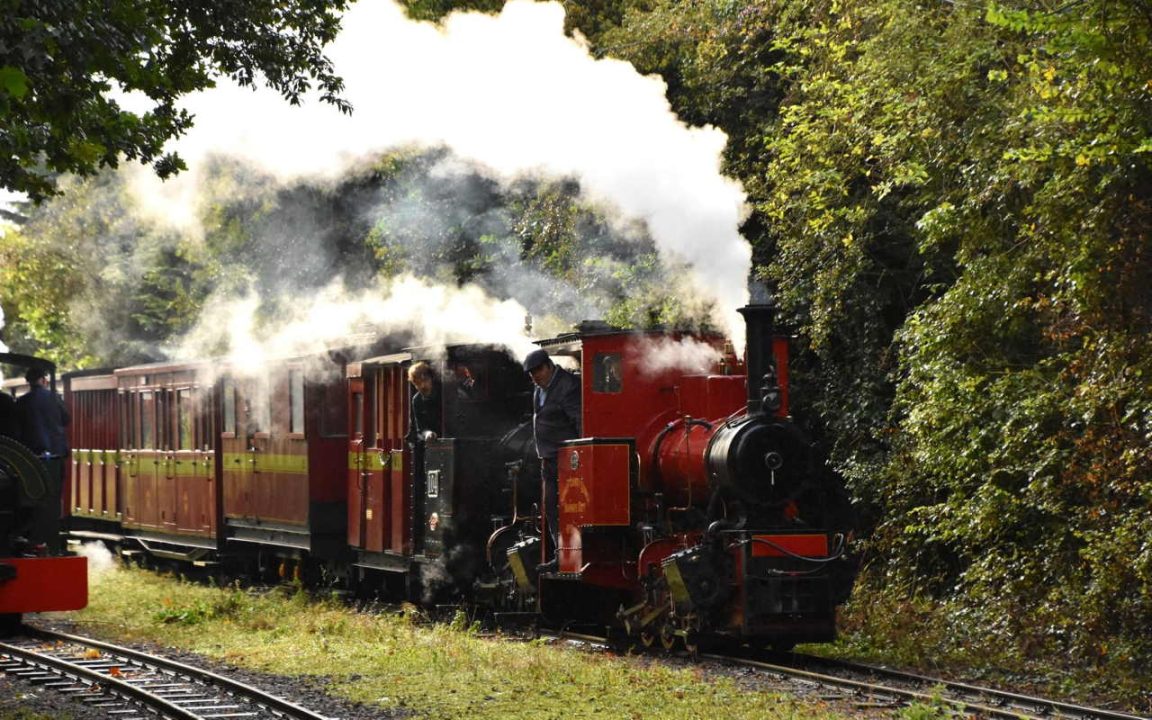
951 205
62 63
935 709
961 204
34 282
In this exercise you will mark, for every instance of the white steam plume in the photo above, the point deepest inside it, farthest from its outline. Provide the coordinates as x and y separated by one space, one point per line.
511 92
425 313
100 559
686 354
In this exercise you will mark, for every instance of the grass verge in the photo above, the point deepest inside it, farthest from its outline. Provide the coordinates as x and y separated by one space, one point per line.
397 662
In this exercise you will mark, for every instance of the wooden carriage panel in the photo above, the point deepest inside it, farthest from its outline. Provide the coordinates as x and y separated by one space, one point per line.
163 480
94 430
394 393
108 497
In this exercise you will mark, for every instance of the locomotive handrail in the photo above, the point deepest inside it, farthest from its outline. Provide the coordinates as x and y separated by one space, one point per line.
840 547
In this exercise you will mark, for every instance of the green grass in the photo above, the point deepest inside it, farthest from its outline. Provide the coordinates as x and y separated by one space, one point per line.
395 660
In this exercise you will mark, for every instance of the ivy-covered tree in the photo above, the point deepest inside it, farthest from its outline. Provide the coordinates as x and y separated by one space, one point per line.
64 65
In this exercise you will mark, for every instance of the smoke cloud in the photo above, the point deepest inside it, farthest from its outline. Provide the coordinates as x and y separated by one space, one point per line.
335 317
686 354
100 559
511 93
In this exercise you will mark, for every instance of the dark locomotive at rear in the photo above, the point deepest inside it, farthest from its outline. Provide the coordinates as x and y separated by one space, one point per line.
692 508
31 580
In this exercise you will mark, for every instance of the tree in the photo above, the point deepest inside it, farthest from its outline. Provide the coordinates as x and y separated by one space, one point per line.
62 63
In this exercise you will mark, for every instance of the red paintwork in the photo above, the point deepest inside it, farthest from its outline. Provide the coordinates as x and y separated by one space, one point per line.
594 491
807 545
45 584
275 473
683 473
647 401
379 499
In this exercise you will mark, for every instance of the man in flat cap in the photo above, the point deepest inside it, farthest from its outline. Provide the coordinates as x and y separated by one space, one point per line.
555 418
43 420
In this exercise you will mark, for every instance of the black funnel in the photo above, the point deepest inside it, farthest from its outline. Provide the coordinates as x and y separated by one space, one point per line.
759 321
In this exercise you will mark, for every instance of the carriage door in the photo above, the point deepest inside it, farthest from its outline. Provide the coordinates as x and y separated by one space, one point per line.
167 478
358 513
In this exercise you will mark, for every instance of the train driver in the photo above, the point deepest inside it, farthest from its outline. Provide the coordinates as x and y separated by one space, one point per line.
555 418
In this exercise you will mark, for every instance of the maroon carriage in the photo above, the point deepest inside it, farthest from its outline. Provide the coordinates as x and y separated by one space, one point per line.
94 436
416 503
169 498
283 438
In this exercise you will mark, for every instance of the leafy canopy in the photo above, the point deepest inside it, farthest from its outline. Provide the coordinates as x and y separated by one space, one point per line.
63 63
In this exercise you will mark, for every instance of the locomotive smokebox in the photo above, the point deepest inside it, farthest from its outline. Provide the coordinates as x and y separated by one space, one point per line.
763 379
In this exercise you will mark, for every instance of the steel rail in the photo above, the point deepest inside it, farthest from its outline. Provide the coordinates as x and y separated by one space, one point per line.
876 689
83 674
1041 708
1044 706
278 705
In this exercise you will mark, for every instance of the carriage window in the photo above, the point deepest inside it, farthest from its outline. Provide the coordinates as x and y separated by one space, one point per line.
128 421
185 416
607 373
334 411
205 419
229 390
296 401
259 406
147 421
358 414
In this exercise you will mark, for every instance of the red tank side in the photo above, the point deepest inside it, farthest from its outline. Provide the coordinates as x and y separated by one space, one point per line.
44 584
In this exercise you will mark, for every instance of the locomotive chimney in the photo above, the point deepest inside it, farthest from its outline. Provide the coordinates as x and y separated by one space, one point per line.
763 383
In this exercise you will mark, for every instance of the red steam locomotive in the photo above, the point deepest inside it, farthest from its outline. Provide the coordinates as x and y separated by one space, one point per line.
30 580
692 508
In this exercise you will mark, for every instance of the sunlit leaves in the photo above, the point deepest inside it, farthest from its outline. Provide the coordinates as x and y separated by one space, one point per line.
62 65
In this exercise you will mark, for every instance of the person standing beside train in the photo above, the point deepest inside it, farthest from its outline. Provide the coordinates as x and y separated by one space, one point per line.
555 418
43 419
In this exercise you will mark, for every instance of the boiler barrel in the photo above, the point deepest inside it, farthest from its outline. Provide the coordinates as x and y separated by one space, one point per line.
681 462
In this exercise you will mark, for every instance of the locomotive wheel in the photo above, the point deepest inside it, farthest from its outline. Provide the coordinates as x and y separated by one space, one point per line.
647 638
668 637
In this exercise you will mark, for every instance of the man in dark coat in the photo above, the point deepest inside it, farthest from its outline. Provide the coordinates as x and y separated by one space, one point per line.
43 418
424 422
556 417
9 423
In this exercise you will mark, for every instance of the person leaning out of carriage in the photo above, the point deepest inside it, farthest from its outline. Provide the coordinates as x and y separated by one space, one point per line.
424 411
555 418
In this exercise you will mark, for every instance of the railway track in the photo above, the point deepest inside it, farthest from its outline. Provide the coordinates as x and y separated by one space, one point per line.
869 686
130 684
874 684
